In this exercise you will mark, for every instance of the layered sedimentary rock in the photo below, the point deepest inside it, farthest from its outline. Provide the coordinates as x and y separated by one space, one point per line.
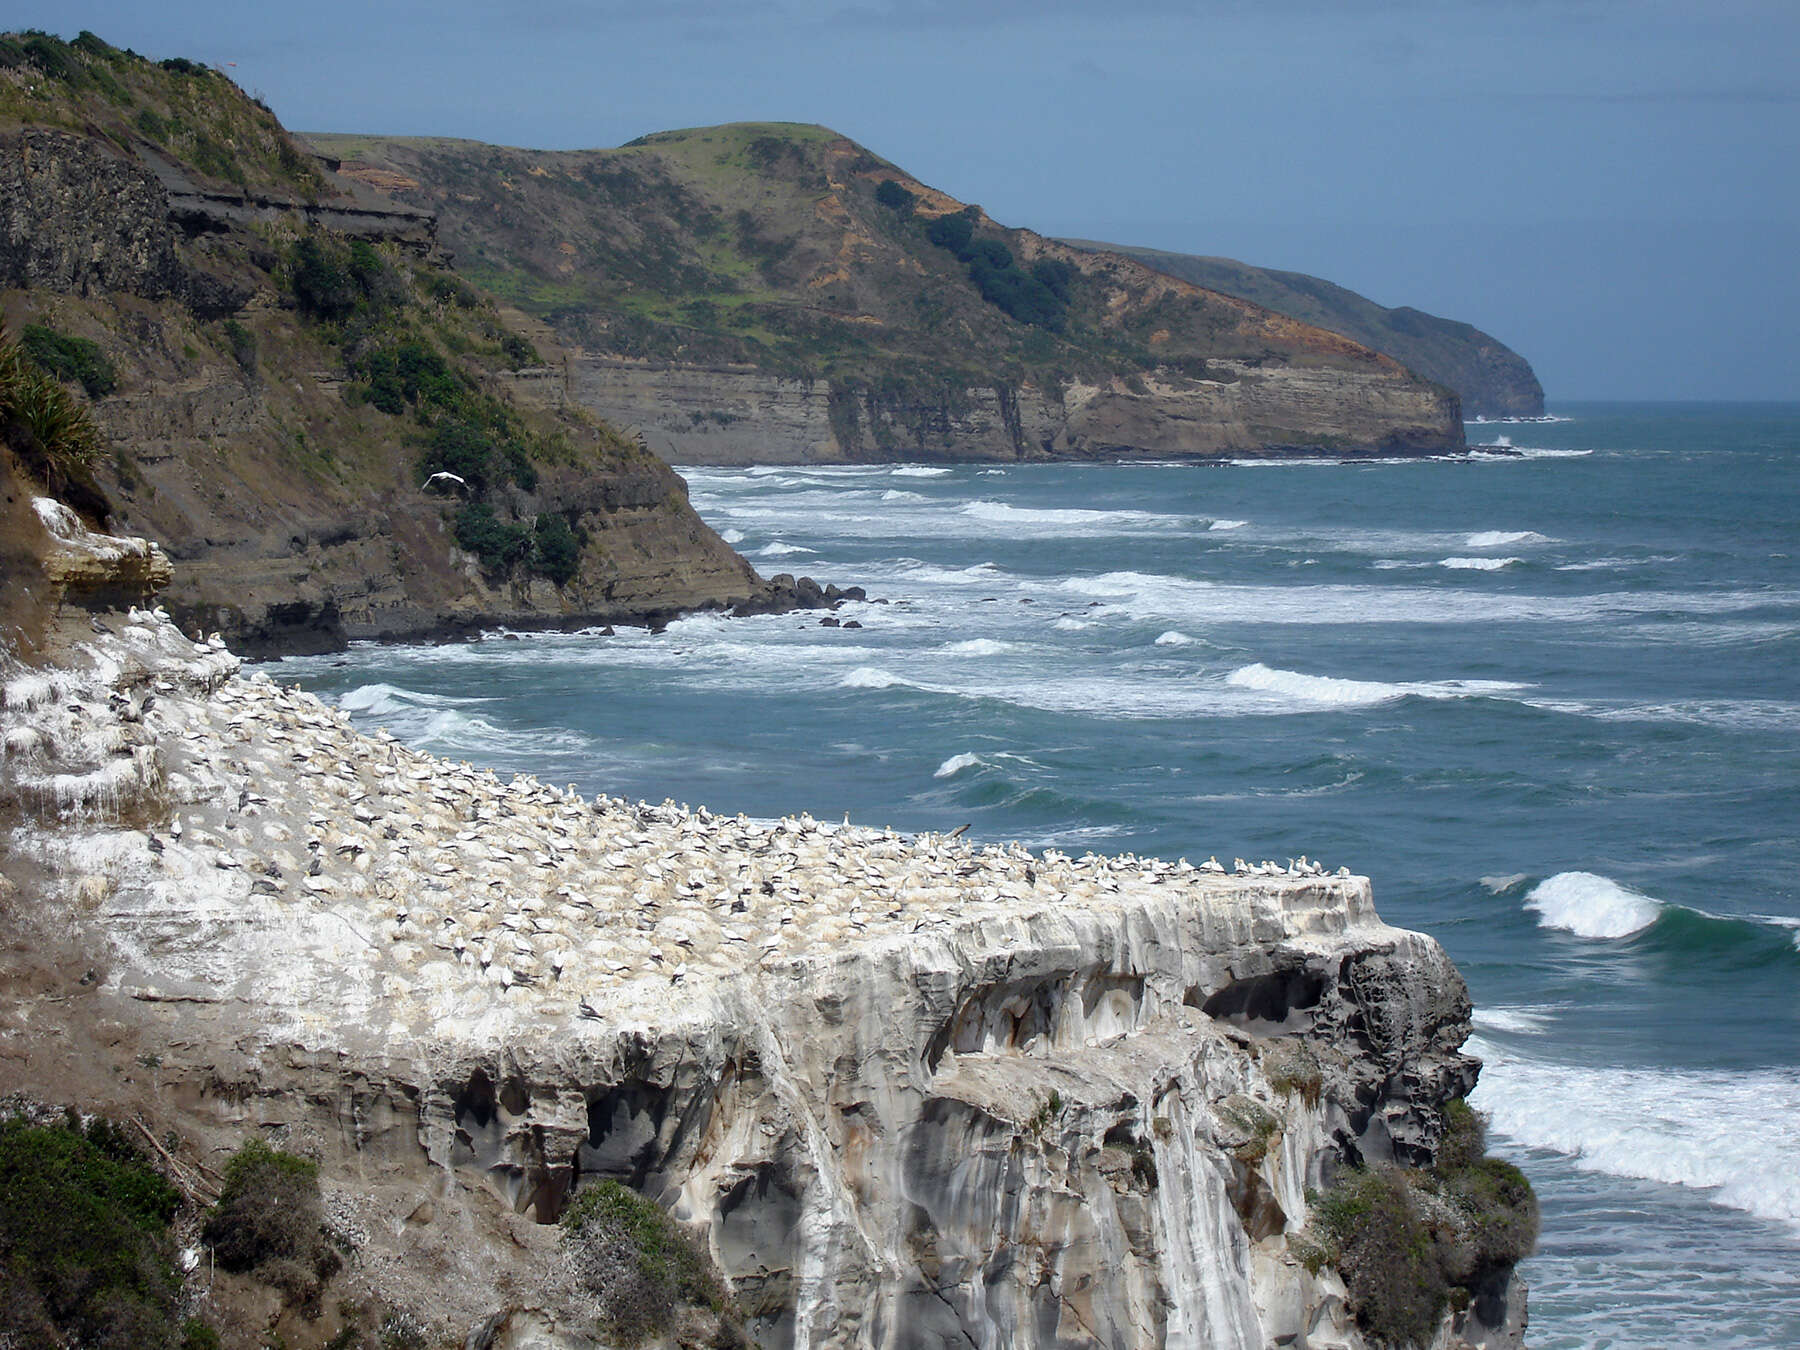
740 415
775 293
909 1091
293 513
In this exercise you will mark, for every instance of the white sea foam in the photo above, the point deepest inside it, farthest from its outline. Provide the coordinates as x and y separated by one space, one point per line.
955 765
1521 1021
992 473
732 536
1477 564
1590 905
378 700
1329 691
1156 596
1228 525
1068 625
1519 454
1076 518
1727 1132
919 471
1174 639
872 677
1501 885
896 495
1730 714
1502 538
779 550
978 647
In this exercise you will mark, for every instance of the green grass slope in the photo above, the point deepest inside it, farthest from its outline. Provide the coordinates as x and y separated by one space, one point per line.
794 250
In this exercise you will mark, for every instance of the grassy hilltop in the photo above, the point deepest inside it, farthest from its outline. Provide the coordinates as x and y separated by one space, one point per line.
793 249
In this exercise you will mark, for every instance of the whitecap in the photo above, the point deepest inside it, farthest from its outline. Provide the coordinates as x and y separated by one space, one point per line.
955 765
1727 1132
1590 905
1068 625
1477 564
978 647
1501 538
871 677
1228 525
1173 639
919 471
779 550
732 536
1330 691
992 473
1523 1021
896 495
375 700
1499 885
1079 518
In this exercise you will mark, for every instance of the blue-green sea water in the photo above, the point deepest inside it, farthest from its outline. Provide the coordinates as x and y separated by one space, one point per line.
1547 696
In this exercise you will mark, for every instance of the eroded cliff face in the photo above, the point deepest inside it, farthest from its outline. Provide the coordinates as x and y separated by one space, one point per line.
744 294
295 516
910 1092
739 415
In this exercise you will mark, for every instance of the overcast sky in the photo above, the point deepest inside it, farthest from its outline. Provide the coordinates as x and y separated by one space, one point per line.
1610 186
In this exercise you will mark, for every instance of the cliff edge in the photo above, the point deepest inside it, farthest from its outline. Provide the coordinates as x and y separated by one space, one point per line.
901 1091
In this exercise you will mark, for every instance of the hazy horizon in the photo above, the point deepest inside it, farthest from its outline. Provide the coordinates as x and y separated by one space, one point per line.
1606 187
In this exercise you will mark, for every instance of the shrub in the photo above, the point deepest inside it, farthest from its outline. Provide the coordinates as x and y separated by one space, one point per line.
637 1263
1408 1244
72 359
896 198
410 372
84 1242
269 1221
951 232
1384 1253
332 281
555 549
520 353
499 545
243 347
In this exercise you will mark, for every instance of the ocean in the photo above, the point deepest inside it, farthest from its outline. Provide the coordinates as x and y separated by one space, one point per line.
1546 695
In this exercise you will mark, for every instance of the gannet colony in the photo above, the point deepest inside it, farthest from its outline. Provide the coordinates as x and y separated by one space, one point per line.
910 1090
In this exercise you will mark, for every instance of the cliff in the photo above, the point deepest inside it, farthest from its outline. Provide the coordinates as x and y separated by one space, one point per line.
903 1092
278 359
770 292
1489 377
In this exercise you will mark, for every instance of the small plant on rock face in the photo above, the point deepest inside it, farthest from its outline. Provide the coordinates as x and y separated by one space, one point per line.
636 1262
270 1221
1409 1244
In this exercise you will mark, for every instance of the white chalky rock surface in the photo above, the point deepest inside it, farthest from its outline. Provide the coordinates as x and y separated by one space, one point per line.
918 1091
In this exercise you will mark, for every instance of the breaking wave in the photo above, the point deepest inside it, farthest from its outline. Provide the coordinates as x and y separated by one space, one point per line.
1330 691
1592 906
1725 1132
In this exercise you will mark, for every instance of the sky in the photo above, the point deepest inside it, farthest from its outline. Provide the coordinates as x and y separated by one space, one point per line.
1611 187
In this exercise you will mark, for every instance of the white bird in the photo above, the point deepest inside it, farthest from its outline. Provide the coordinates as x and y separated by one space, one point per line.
458 479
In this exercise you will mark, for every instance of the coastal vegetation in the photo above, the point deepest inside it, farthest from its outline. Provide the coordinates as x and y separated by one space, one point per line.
269 1222
641 1270
47 425
1411 1242
86 1252
188 111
